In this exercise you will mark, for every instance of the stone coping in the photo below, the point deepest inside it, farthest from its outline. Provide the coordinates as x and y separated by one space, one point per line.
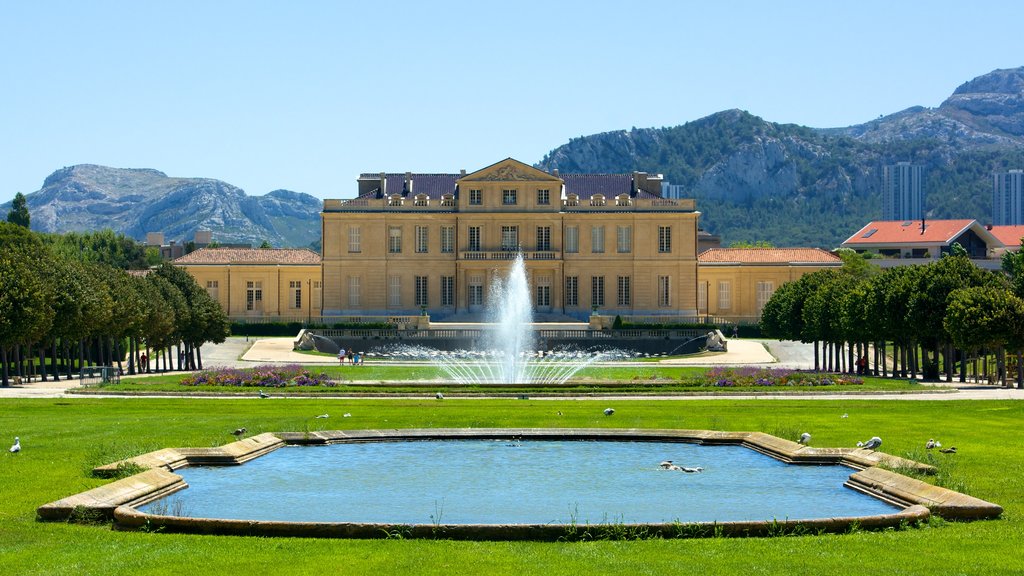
119 499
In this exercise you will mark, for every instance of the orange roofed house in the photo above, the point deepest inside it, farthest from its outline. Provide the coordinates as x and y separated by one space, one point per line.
259 283
925 239
734 284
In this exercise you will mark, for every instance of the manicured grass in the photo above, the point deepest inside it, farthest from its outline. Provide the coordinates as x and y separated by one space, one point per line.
63 439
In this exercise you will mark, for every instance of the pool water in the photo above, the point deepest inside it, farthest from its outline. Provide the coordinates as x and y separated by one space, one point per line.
511 482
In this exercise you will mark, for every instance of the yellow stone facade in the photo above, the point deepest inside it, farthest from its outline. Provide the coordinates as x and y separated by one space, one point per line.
400 248
251 284
735 283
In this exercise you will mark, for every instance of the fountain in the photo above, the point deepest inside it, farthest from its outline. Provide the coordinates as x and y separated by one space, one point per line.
509 353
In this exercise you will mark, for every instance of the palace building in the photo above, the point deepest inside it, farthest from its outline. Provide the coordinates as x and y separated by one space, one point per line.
432 243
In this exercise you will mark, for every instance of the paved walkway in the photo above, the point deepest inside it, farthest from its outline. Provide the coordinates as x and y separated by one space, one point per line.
242 352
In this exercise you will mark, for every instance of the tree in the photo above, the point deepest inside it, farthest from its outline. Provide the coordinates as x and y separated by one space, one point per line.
265 244
985 317
19 211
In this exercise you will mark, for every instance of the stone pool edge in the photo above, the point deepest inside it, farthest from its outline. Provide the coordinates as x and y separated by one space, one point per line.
117 500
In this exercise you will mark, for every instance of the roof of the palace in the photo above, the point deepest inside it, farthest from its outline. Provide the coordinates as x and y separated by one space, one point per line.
1009 235
436 185
767 256
910 232
293 256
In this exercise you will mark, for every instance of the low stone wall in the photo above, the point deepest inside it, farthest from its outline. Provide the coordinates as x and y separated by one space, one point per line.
119 499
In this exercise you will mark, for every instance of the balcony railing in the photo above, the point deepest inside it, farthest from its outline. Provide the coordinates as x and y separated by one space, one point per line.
433 205
508 255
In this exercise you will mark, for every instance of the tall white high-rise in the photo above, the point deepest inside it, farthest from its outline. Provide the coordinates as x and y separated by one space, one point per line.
902 197
1008 198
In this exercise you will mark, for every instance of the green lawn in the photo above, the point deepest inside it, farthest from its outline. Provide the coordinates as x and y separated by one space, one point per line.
63 439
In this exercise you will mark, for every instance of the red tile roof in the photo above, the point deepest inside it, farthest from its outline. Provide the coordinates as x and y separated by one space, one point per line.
1008 235
909 232
767 256
300 256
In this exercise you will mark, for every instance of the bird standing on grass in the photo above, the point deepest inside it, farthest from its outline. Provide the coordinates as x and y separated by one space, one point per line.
439 396
875 442
264 394
950 450
931 443
324 416
609 411
16 447
805 438
239 431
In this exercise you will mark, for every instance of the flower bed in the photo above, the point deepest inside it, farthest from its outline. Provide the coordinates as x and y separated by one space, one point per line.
258 377
724 377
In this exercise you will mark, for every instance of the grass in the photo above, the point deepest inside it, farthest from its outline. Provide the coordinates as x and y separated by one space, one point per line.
63 439
377 379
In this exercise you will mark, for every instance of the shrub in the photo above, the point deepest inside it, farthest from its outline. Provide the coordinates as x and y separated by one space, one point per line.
258 377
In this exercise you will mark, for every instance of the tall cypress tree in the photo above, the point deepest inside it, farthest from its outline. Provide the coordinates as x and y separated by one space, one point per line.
19 211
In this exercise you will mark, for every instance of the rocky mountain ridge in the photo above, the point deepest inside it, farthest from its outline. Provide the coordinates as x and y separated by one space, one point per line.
136 201
793 185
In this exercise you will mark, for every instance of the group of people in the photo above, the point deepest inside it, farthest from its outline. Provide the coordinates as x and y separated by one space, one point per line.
354 358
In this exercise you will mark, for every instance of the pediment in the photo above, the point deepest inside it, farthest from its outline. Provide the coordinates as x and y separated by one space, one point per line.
510 170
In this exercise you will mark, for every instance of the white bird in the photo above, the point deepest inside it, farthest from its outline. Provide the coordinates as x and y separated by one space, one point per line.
875 442
931 443
439 396
805 438
264 394
239 431
667 465
950 450
845 415
16 447
346 415
694 470
324 416
609 411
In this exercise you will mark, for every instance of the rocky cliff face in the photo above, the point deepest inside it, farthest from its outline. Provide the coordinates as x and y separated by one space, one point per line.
792 185
137 201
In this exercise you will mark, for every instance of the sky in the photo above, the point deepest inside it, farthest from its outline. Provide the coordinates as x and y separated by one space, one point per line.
306 95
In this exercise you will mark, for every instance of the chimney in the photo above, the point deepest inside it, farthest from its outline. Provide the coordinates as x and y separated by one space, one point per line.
555 172
462 173
408 183
988 226
383 185
922 225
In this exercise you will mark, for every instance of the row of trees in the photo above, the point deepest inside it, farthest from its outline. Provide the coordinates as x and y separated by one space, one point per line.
65 299
933 316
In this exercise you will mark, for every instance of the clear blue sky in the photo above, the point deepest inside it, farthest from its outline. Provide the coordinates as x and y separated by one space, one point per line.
306 95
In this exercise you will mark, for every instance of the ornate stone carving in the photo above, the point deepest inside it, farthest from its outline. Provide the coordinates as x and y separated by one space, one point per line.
512 173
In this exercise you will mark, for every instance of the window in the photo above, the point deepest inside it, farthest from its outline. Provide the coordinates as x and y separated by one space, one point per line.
597 200
572 239
422 239
421 200
353 291
474 239
447 291
572 200
447 200
764 293
295 294
597 291
476 197
396 200
543 238
394 291
508 197
476 291
354 239
254 295
544 292
665 292
543 197
622 200
724 295
624 239
572 290
316 294
664 239
597 239
421 291
395 240
212 289
510 238
623 294
447 239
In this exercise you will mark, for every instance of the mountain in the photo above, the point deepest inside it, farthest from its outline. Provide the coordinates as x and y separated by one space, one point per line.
797 186
137 201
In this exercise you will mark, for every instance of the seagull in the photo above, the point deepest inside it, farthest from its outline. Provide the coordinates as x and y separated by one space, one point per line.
950 450
559 412
609 411
346 415
875 442
16 447
845 415
694 470
239 431
805 438
324 416
264 394
667 465
439 396
931 443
